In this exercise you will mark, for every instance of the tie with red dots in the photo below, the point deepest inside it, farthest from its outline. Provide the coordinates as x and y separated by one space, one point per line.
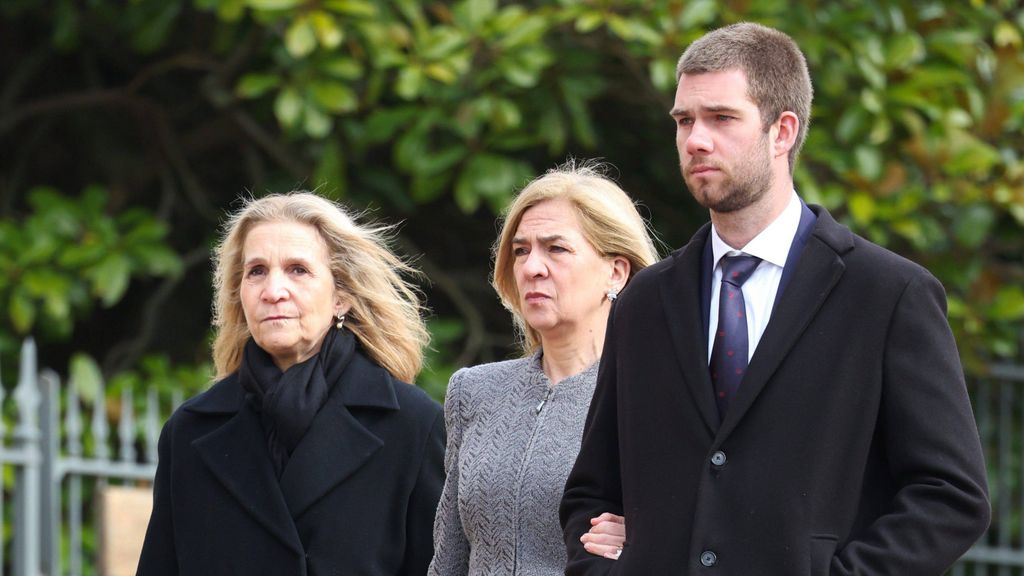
729 352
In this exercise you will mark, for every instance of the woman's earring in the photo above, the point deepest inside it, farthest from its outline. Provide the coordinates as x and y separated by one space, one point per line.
612 294
341 320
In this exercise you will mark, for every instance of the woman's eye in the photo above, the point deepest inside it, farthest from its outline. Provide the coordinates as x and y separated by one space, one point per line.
300 270
254 271
520 251
557 248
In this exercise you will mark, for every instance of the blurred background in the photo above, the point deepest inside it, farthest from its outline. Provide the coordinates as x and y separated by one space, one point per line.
128 129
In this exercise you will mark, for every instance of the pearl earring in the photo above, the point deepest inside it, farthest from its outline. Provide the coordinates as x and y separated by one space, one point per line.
341 320
612 294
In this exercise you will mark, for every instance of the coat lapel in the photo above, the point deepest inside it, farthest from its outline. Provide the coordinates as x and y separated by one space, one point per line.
337 444
236 454
817 271
681 297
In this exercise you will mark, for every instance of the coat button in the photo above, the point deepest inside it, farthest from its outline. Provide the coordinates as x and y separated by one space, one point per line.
718 459
708 558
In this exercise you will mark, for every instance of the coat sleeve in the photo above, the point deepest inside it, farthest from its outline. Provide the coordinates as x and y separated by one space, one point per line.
594 485
451 547
931 441
159 555
423 501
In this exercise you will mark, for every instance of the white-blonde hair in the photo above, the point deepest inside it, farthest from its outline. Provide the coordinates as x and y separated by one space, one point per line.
386 314
607 218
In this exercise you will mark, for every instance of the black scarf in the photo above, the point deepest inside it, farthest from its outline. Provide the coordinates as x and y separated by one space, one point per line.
287 401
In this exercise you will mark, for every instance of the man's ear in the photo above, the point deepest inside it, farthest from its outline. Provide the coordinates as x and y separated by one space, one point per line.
785 131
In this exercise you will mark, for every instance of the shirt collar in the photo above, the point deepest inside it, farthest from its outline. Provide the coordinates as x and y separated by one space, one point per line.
772 244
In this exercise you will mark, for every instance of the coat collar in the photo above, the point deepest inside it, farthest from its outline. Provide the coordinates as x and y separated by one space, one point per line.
818 270
684 294
335 446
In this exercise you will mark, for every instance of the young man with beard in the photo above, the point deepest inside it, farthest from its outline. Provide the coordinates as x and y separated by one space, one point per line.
779 396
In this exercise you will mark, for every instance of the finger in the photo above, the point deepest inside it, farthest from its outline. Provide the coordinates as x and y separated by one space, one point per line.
607 517
602 550
608 528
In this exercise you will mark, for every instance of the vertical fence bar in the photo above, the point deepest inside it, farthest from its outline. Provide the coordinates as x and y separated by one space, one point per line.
1004 468
73 431
26 435
50 487
152 425
126 427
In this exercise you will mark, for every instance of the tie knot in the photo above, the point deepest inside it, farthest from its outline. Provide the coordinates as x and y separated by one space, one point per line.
736 269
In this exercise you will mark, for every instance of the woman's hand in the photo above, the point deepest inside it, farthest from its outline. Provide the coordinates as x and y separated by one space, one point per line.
606 537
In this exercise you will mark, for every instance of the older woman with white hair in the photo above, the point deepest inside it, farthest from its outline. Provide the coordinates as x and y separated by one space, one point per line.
310 454
570 241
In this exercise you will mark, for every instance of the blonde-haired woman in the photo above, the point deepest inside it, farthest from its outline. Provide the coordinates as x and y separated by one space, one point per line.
310 454
570 241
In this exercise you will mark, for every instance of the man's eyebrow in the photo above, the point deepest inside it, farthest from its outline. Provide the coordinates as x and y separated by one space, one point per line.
713 108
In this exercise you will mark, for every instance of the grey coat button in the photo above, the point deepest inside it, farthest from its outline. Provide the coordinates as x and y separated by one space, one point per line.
708 558
718 459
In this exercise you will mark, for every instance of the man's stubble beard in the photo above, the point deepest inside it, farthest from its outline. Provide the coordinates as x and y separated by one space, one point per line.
744 186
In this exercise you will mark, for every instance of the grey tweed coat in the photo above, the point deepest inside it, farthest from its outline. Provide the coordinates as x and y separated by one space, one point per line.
512 439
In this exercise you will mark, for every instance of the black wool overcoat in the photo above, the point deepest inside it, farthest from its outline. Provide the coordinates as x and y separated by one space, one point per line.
360 488
850 447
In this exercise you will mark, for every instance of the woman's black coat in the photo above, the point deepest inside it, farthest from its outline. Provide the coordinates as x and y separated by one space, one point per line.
360 488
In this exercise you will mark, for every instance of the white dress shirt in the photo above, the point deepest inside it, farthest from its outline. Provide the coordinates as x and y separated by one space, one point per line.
772 247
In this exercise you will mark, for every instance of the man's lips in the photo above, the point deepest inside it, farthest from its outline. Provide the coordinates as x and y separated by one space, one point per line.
702 169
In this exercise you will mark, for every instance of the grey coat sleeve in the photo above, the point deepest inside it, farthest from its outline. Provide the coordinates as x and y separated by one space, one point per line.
451 547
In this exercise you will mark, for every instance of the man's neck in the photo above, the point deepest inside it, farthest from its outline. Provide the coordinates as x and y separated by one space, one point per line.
738 228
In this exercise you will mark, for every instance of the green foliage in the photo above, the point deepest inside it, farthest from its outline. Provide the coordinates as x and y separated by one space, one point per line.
437 112
68 253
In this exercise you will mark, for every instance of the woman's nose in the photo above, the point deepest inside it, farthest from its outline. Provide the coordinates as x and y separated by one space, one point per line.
534 265
275 288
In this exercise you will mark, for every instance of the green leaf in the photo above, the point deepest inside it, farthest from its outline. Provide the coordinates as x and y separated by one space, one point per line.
862 207
21 311
383 123
300 38
334 97
110 278
328 32
85 376
903 51
254 84
316 123
589 21
488 176
288 107
698 13
869 161
476 12
352 7
973 224
158 260
409 82
343 68
663 74
1008 304
273 4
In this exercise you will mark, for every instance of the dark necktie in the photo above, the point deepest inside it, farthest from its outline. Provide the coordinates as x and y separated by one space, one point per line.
729 352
